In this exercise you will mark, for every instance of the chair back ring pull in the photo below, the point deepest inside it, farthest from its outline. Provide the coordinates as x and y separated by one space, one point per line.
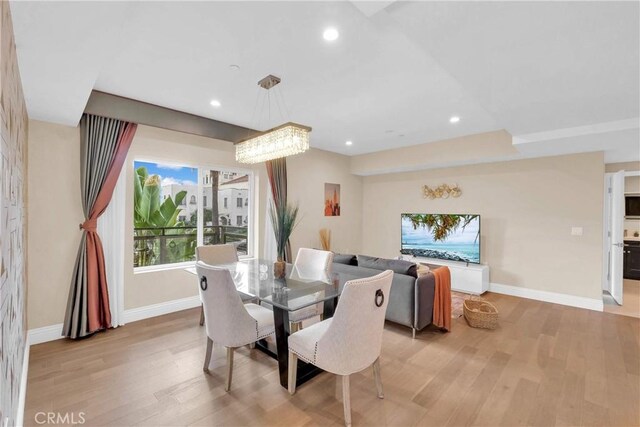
203 283
379 300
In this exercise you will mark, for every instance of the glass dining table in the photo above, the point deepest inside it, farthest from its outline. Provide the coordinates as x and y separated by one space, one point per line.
299 289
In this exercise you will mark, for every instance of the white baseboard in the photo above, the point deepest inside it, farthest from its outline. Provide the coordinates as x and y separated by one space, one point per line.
23 383
546 296
45 334
154 310
54 332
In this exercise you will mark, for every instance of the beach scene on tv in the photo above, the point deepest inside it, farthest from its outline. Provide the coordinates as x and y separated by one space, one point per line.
443 236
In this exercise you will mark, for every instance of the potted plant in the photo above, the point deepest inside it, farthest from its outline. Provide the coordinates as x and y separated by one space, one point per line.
283 219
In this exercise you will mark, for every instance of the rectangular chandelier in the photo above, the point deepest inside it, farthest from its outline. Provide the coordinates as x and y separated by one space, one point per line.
282 141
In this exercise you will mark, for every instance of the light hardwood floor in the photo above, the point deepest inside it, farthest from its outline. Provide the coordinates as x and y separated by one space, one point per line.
546 365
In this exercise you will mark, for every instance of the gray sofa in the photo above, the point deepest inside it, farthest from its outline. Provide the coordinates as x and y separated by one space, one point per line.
411 299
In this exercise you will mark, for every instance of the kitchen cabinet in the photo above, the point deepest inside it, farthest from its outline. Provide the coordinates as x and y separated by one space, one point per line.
631 259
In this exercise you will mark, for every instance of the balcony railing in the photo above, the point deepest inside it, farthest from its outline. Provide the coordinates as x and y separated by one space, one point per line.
168 245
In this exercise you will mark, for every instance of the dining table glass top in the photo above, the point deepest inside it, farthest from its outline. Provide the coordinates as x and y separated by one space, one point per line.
300 288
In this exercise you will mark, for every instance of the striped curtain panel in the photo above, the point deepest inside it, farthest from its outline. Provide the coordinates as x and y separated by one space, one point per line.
105 144
277 173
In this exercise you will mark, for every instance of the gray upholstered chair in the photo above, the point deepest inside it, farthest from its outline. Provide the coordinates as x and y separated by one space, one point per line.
212 255
351 340
228 321
310 262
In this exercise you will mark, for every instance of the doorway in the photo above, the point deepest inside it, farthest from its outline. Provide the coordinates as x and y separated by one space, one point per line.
621 238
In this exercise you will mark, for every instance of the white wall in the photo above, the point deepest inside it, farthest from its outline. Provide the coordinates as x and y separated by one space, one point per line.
55 210
527 208
308 173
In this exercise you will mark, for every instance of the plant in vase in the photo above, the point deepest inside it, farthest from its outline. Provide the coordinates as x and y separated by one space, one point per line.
284 220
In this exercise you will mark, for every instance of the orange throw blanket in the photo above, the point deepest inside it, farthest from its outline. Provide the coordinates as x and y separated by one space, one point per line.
442 298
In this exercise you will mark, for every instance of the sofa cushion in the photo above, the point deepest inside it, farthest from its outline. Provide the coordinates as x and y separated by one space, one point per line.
397 265
353 272
402 295
347 259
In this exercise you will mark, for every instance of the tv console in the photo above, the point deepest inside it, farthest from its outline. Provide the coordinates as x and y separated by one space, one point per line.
465 277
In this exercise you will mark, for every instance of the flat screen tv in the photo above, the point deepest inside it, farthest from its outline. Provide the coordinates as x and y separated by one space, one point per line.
451 237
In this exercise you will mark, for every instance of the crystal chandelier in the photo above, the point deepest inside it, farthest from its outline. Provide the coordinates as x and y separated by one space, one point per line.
285 140
282 141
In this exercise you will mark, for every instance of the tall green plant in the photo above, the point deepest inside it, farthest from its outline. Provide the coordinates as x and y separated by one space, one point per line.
148 211
284 221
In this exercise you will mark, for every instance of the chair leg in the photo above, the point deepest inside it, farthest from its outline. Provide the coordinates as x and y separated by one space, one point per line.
201 315
230 350
252 346
378 379
207 355
414 333
293 372
346 400
294 327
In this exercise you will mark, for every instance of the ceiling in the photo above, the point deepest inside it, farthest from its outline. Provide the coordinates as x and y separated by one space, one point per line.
395 76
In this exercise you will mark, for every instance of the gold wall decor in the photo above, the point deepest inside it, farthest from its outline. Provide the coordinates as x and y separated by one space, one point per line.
441 192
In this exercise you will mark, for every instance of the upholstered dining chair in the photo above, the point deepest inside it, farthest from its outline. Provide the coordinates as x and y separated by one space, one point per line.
228 321
215 254
351 340
311 261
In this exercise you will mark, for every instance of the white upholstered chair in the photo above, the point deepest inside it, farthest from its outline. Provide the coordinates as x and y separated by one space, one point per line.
228 321
215 254
310 261
351 340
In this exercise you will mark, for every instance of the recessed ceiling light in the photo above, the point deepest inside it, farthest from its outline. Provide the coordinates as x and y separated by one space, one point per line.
330 34
215 103
454 119
234 67
349 143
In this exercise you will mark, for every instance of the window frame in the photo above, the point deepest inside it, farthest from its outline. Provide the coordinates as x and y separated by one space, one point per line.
251 222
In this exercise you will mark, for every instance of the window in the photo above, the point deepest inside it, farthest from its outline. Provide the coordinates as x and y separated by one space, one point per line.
166 227
230 226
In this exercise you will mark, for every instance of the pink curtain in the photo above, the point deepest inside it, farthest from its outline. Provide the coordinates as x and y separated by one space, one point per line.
106 143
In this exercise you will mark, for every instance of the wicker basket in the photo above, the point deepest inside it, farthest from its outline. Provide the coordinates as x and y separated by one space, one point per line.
481 314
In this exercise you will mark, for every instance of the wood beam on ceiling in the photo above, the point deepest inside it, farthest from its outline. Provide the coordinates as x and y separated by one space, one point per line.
117 107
